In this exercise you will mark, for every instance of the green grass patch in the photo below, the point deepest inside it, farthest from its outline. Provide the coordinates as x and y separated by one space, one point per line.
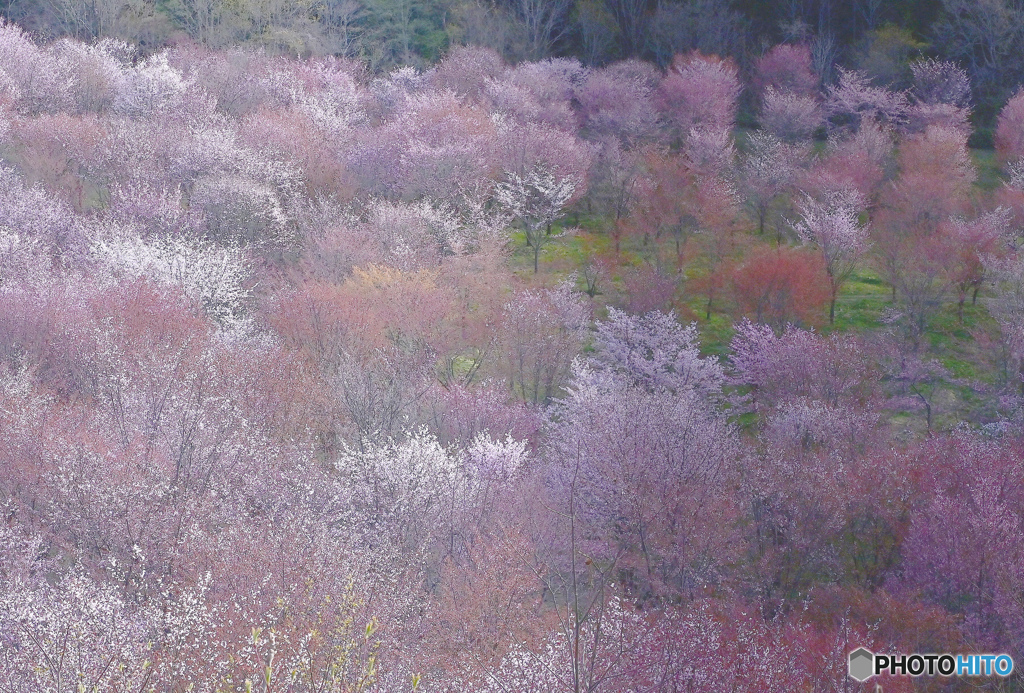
989 177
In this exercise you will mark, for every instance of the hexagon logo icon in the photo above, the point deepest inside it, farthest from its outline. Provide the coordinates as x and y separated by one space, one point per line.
862 663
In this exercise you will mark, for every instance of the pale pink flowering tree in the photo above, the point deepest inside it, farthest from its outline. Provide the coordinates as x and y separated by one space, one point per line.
443 147
539 92
767 171
969 242
791 117
833 225
32 213
857 162
639 476
97 71
42 82
941 81
466 70
237 210
214 277
463 412
76 635
536 200
654 351
618 101
941 96
1008 304
799 364
936 174
617 186
417 496
149 87
965 545
800 428
1009 137
854 100
522 146
1011 193
699 91
711 155
543 333
787 69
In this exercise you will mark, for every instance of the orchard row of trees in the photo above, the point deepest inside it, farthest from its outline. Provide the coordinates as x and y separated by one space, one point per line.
320 380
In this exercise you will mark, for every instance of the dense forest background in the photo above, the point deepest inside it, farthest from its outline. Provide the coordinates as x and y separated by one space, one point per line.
987 38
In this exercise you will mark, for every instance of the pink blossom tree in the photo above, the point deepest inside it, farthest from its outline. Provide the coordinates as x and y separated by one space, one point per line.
767 171
790 117
787 69
655 352
970 242
543 333
833 225
964 546
1009 137
618 101
639 475
941 95
699 91
799 364
858 162
854 100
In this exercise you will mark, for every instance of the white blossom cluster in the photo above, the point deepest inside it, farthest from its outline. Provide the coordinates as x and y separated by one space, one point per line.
212 275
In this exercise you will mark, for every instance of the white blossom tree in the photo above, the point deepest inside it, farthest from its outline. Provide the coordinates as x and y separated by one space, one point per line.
834 226
211 275
536 199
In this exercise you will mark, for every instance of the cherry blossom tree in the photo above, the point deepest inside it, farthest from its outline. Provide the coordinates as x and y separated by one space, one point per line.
1009 137
699 91
212 276
786 69
969 243
936 172
1008 275
638 475
150 86
618 101
544 332
963 546
799 364
766 172
617 184
655 352
688 195
858 162
790 117
539 92
834 226
466 69
941 81
941 95
854 100
536 200
40 80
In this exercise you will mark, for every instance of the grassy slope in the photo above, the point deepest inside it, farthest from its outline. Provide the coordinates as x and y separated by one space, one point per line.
860 308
